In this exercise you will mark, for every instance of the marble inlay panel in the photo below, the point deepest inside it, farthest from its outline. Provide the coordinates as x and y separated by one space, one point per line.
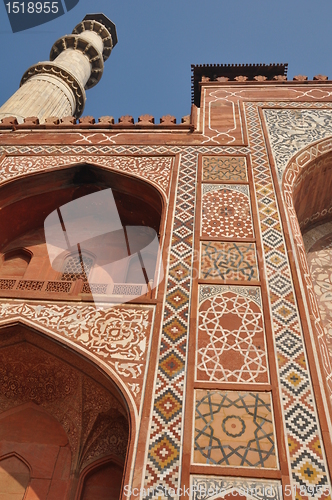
208 487
231 338
228 261
234 429
226 211
224 168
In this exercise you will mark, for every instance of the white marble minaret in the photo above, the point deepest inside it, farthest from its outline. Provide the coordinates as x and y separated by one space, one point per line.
57 87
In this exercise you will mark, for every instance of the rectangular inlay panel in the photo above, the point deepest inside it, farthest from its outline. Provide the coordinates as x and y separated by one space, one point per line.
234 429
221 118
228 261
226 211
236 488
224 168
230 337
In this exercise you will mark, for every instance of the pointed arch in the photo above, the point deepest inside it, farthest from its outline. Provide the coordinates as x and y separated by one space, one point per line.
52 188
110 465
15 474
15 262
89 171
51 383
18 456
32 332
30 198
308 175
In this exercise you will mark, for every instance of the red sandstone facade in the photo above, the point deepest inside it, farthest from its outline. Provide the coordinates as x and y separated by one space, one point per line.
219 379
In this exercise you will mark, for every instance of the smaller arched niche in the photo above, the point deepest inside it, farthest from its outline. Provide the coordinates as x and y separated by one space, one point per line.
77 266
103 482
14 477
15 263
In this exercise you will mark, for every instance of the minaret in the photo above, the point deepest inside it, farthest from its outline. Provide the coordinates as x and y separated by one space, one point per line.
57 87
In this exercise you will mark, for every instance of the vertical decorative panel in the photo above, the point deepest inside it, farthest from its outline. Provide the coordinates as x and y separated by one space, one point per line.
308 465
226 211
231 337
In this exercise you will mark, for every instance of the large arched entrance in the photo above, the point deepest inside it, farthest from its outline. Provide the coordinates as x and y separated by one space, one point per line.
64 425
312 197
25 269
307 184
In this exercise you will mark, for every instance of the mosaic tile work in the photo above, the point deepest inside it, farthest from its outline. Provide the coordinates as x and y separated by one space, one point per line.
208 487
308 465
230 338
226 211
301 422
166 427
234 429
228 261
292 129
164 437
224 168
251 292
91 145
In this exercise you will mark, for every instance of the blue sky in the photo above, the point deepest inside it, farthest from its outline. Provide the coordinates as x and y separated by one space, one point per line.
149 69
